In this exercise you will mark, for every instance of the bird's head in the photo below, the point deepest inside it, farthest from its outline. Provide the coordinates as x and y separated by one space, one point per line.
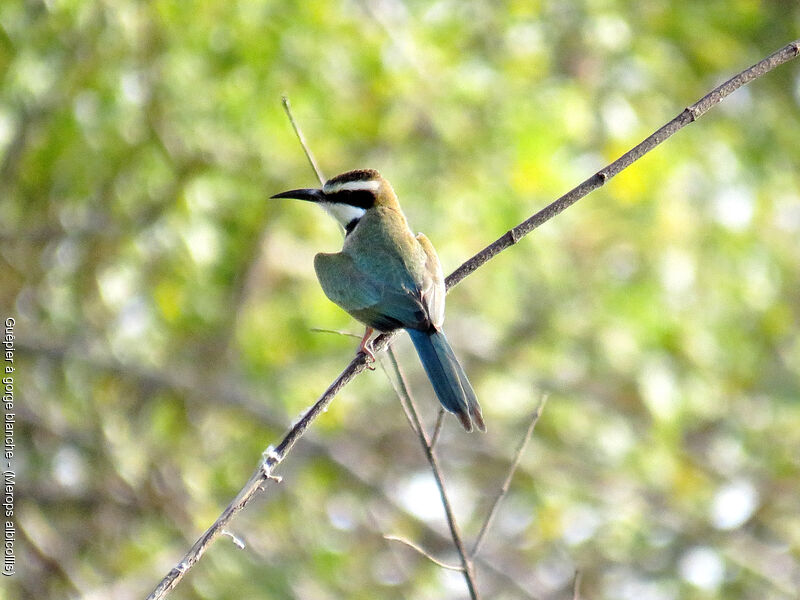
347 197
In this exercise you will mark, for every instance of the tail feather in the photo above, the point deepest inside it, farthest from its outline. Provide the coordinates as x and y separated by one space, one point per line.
448 377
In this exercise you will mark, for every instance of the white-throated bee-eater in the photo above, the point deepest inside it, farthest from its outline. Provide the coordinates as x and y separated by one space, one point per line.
388 279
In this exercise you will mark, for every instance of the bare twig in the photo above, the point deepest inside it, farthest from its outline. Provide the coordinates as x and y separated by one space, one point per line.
335 331
237 541
576 586
437 429
466 562
423 552
400 396
287 107
507 483
358 364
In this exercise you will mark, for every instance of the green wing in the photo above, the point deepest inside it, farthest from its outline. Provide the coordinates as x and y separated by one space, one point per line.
383 307
343 283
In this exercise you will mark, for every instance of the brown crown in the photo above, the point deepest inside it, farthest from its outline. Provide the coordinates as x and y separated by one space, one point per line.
357 175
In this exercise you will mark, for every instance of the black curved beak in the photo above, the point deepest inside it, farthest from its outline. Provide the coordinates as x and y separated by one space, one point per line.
311 195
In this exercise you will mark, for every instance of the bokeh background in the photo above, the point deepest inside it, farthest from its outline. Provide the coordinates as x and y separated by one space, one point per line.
166 311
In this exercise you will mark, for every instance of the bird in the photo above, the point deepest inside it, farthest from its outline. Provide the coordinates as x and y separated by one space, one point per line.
387 278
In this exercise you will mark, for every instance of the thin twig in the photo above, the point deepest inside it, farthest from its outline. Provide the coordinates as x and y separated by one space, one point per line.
358 364
507 483
423 552
576 586
237 541
466 562
335 331
301 138
437 429
400 396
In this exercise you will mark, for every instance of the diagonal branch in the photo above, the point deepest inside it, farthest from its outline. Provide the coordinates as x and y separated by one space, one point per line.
172 377
358 364
259 479
688 115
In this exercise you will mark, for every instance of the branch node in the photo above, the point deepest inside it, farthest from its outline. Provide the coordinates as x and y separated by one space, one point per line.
693 111
271 455
602 176
512 233
796 47
270 458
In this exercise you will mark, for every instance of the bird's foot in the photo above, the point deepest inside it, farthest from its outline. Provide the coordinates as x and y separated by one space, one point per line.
366 348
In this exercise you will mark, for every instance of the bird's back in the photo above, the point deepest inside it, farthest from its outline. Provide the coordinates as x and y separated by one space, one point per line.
383 247
382 275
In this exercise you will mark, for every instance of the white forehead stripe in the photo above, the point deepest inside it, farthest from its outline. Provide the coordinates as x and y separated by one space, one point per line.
368 185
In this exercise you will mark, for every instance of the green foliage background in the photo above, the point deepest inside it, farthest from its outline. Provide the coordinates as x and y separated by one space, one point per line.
165 309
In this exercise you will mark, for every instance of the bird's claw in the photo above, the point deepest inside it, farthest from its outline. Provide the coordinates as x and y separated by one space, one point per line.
366 348
370 358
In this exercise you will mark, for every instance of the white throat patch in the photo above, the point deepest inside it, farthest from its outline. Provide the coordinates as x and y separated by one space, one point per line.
343 213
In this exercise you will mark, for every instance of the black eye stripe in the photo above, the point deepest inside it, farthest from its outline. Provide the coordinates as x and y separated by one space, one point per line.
359 198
